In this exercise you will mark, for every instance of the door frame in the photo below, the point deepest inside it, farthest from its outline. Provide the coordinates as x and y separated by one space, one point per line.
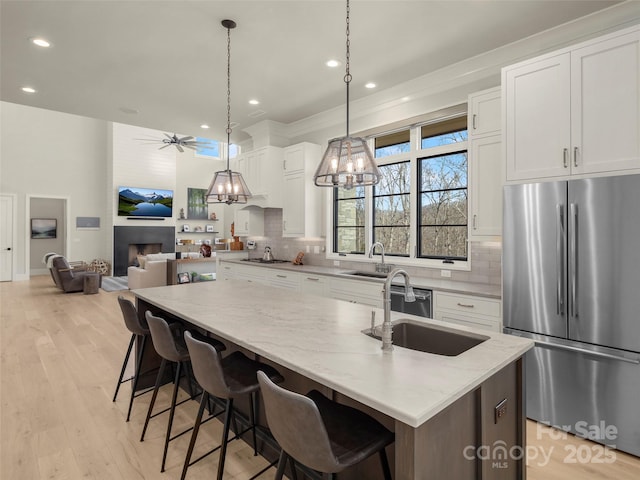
27 227
14 229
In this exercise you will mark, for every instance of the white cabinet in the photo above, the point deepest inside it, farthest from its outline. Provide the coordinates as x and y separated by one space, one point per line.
249 221
247 273
576 111
262 171
484 112
356 291
302 208
469 310
282 279
314 284
485 165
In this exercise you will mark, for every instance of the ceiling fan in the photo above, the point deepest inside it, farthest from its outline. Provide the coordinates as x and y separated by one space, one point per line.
179 142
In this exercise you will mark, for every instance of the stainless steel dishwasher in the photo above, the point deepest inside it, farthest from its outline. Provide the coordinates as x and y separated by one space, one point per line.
421 307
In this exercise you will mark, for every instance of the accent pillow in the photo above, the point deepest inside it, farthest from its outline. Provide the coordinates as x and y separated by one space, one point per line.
142 261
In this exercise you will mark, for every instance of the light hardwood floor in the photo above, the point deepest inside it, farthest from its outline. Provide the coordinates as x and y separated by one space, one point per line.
61 355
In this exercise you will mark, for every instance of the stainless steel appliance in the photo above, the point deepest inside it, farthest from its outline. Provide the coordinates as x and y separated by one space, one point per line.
571 276
421 307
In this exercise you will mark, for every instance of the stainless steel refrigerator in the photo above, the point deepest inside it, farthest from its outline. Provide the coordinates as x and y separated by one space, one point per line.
571 282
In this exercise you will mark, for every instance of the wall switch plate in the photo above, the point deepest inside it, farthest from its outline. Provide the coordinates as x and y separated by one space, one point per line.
336 263
308 249
500 410
316 249
445 273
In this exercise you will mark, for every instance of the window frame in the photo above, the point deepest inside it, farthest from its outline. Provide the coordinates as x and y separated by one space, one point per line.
413 156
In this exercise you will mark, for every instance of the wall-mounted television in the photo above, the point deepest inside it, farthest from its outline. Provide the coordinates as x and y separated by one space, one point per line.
144 202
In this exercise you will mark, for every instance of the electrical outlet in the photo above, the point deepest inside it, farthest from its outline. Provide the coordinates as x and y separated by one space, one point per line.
500 410
316 249
308 249
336 263
445 273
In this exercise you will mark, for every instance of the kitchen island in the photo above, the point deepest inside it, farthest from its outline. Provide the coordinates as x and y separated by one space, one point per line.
441 408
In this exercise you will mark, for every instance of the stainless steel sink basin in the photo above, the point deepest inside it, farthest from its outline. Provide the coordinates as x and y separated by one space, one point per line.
359 273
429 338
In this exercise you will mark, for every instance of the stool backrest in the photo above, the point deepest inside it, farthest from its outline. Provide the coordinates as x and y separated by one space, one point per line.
131 319
296 424
163 340
207 366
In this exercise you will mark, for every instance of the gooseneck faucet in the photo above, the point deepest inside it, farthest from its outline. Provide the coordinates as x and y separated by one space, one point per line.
409 296
381 266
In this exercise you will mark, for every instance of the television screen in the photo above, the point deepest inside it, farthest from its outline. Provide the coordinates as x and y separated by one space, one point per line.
144 202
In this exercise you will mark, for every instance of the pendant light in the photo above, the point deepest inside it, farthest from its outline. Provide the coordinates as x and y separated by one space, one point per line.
347 162
227 186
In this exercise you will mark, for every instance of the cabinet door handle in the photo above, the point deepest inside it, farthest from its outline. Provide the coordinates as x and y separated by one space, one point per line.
473 121
281 276
565 157
246 226
475 223
575 156
466 305
284 225
284 165
313 279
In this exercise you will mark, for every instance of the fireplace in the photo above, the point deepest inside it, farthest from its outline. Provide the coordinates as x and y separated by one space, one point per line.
136 249
126 239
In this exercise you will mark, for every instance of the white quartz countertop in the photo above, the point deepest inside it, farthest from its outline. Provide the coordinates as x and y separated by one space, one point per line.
321 339
451 286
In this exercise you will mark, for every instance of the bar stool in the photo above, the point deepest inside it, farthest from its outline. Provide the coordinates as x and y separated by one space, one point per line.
137 329
320 433
168 343
225 378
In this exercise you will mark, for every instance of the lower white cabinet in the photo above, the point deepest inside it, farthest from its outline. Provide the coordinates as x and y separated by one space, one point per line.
282 279
314 284
469 310
356 291
234 271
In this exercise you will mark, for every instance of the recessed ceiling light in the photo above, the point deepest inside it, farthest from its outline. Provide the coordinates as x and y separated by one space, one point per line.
254 102
370 85
204 125
333 63
41 42
28 90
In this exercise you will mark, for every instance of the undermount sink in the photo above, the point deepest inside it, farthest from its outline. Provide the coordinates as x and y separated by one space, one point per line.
429 338
359 273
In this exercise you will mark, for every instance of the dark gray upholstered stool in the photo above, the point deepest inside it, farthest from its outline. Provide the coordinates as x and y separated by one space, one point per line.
225 378
137 329
320 433
169 344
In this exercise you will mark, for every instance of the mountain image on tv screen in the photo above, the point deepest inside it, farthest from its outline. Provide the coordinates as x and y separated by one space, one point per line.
144 202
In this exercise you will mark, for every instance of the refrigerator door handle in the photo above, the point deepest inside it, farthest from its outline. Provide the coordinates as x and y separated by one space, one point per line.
560 260
573 245
608 356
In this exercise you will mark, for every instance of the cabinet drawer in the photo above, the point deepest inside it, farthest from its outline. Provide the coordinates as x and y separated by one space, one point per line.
467 304
282 279
485 323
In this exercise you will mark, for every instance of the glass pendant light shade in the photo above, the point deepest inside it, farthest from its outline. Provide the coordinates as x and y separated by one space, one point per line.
347 162
228 187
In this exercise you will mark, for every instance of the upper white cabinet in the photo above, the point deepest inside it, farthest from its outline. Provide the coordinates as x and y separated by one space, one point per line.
302 208
249 221
485 165
576 111
262 171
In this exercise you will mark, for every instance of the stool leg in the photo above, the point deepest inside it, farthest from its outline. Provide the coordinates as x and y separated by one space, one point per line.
252 417
225 434
282 463
124 365
385 464
153 397
176 383
196 427
137 375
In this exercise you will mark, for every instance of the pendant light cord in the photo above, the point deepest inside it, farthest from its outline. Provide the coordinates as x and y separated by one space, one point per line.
347 76
228 92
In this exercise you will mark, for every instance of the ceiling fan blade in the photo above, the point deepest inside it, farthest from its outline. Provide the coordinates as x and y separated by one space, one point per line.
165 146
186 138
179 148
168 136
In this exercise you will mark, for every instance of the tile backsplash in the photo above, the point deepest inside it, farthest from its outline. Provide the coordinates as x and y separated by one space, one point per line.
486 257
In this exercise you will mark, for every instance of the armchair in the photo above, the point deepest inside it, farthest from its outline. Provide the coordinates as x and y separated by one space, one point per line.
67 278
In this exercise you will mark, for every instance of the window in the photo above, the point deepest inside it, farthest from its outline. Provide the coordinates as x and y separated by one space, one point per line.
391 208
211 148
349 215
419 208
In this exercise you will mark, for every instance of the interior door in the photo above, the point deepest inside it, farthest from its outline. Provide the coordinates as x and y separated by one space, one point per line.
534 254
604 261
6 238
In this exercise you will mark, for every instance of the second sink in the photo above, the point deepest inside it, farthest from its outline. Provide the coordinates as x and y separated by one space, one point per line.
429 338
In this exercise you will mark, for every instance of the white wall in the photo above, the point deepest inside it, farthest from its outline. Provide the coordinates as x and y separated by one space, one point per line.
45 153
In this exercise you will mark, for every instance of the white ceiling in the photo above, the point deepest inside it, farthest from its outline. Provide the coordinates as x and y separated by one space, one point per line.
167 59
